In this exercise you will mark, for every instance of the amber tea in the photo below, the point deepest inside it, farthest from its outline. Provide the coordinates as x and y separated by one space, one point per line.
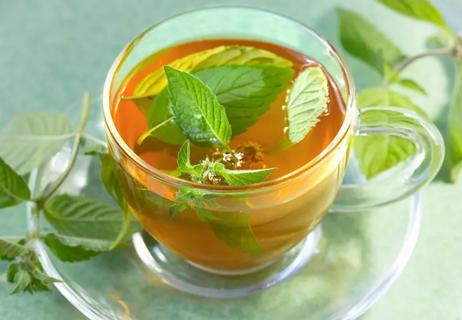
219 118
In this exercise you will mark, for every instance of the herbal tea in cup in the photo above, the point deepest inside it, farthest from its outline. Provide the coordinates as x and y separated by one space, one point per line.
232 148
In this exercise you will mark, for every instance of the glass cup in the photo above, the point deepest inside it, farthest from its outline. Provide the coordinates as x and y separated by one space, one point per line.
240 231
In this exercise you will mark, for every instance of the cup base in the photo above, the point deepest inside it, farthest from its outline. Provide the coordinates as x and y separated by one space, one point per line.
189 277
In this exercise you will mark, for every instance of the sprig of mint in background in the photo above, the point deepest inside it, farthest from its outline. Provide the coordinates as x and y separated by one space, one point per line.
365 42
82 227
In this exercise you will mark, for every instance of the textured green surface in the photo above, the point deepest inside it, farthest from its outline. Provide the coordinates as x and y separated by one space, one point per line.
51 51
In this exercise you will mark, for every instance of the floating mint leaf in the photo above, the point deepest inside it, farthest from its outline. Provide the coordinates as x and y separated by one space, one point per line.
242 177
418 9
31 139
245 91
196 109
13 188
156 81
364 41
308 99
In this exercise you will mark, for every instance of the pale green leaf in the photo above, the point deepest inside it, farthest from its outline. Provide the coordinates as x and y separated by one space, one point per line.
364 41
31 139
71 249
156 81
418 9
454 158
232 228
411 85
308 99
83 217
242 177
196 109
385 97
10 250
13 188
28 276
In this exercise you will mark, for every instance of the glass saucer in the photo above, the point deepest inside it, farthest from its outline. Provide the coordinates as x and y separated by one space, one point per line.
338 272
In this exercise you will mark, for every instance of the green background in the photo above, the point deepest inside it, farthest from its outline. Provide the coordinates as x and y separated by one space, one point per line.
51 51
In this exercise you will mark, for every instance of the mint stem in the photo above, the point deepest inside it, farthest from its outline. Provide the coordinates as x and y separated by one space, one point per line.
152 130
410 60
75 151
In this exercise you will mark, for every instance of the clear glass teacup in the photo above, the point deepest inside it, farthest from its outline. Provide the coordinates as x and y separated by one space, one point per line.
279 213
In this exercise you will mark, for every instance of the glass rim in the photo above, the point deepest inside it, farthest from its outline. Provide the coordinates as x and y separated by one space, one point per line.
164 177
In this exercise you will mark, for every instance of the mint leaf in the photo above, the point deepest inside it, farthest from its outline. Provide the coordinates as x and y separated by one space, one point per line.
245 91
419 9
31 139
158 113
72 249
13 188
308 99
242 177
10 250
244 55
364 41
28 276
232 228
184 164
156 81
83 217
455 129
377 154
411 85
24 270
196 109
381 96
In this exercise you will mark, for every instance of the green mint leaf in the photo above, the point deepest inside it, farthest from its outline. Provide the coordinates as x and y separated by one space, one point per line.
308 99
28 276
377 154
10 250
245 91
13 188
196 109
72 249
418 9
411 85
242 177
364 41
83 217
184 163
244 55
455 129
156 81
381 96
31 139
157 114
232 228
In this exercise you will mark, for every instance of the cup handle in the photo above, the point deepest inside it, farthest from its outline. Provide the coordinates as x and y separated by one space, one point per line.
405 178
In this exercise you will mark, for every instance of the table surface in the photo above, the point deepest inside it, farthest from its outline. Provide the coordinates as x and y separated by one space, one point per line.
51 51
